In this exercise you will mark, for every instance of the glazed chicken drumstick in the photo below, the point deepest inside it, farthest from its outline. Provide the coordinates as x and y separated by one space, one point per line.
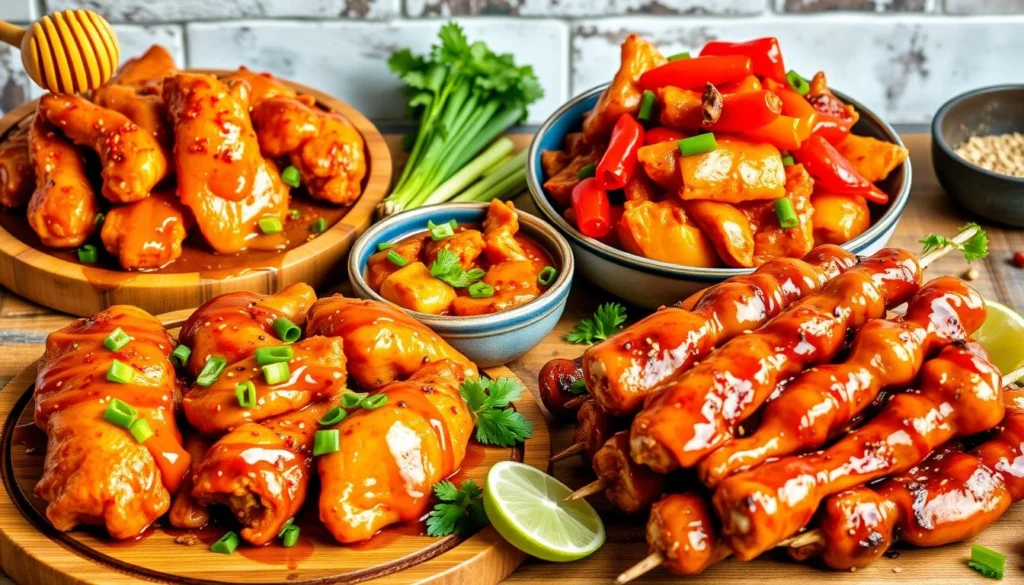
62 209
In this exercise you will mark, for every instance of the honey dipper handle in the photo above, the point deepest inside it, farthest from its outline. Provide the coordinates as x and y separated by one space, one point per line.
11 34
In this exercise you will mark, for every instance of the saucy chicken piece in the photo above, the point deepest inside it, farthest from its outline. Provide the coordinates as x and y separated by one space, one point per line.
553 161
639 187
62 209
514 282
144 109
468 244
259 86
17 177
96 472
660 162
560 185
682 109
839 218
736 171
186 511
222 177
391 457
873 158
147 70
623 95
326 149
379 268
147 233
500 228
774 241
727 227
662 231
414 288
133 161
381 342
317 373
233 325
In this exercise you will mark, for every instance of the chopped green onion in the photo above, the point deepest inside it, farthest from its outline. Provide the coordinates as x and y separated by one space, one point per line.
286 330
786 213
294 213
384 246
287 523
276 373
87 254
646 106
787 161
481 290
587 172
797 82
678 56
100 218
181 354
475 273
289 536
120 413
245 392
333 417
352 399
698 144
454 224
227 544
987 561
120 372
328 441
319 226
211 371
397 259
578 387
440 232
374 402
290 177
270 225
273 355
116 340
140 430
547 276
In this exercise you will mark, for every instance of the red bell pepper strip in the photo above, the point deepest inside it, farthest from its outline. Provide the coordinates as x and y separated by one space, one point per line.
795 105
752 109
833 172
592 209
834 117
619 159
662 134
765 55
698 72
748 83
784 133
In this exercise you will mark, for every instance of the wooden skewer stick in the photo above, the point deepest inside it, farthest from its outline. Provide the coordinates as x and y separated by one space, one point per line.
590 489
575 402
957 241
574 449
651 561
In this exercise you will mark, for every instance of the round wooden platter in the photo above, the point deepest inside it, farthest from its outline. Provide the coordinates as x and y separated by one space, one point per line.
80 289
33 553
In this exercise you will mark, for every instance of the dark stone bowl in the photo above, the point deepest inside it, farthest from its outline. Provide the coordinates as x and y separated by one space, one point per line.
989 110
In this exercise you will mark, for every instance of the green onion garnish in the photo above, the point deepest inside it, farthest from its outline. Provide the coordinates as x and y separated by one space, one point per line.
397 259
352 399
116 340
181 354
797 82
787 161
328 441
100 218
374 402
578 387
273 355
698 144
319 226
87 254
270 225
290 177
120 413
245 392
289 536
786 213
987 561
475 274
140 430
440 232
454 224
211 371
384 246
646 106
678 56
227 544
286 330
547 276
120 372
294 214
481 290
333 417
587 172
276 373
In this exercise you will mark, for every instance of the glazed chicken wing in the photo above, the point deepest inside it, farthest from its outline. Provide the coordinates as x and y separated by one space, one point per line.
222 178
623 95
146 110
133 161
17 177
147 70
392 456
147 233
96 472
186 511
62 210
259 87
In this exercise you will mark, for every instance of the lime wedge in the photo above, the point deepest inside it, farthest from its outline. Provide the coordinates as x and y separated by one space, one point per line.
1002 334
527 507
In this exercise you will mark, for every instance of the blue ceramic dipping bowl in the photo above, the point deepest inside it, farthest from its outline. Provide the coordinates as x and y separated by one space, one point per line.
651 283
488 340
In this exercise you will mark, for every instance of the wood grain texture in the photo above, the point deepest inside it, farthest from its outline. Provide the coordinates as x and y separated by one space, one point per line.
84 290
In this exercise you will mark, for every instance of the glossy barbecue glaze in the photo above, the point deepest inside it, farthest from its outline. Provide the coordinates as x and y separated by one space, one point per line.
631 487
683 528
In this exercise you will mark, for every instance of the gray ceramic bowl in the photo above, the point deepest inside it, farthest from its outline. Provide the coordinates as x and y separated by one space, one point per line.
650 283
989 110
488 340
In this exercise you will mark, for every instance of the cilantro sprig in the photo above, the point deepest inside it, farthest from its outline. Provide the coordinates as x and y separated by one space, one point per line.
607 320
497 422
448 267
976 248
460 510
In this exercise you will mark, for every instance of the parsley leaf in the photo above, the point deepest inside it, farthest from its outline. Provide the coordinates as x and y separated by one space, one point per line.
497 422
448 267
578 387
974 248
607 320
460 510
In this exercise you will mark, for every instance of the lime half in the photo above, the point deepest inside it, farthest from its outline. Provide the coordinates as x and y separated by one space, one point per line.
1002 334
528 508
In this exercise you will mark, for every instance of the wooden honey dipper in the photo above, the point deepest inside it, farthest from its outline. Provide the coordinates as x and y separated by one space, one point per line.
70 51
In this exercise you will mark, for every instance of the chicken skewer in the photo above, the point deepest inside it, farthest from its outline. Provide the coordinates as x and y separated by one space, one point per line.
593 427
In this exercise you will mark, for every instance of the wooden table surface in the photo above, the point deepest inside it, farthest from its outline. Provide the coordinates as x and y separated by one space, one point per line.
24 326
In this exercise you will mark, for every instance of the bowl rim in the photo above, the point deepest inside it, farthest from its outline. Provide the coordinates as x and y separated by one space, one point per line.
943 111
520 316
621 257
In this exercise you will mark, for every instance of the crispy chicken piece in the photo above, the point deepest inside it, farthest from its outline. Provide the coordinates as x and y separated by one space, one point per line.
326 149
392 456
774 241
62 210
222 177
660 162
623 95
662 231
560 185
413 287
839 218
17 177
500 228
147 70
728 229
382 343
737 171
186 512
259 86
133 161
873 158
96 472
147 233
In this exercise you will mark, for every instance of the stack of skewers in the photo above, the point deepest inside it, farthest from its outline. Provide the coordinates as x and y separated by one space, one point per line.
789 407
